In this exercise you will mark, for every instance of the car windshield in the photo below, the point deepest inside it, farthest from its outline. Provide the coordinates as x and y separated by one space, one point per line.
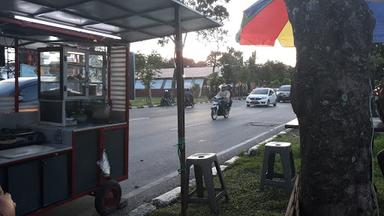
260 91
285 88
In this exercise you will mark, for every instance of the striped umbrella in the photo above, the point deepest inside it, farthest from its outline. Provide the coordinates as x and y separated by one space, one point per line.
267 21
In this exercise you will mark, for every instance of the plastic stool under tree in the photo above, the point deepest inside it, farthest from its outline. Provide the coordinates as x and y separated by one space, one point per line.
268 175
202 164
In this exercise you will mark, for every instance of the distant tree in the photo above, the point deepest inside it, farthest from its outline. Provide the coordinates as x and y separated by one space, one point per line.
147 68
376 63
214 81
168 63
231 62
215 9
228 73
212 8
201 64
254 74
213 59
243 81
251 71
274 73
187 62
252 59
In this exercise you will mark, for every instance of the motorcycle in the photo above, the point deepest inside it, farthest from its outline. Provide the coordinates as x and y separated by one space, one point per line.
219 108
166 102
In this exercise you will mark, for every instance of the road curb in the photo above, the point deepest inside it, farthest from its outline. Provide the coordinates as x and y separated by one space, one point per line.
143 210
166 198
253 150
172 195
231 161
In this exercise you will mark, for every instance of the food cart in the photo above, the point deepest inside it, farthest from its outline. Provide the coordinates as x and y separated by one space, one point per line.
76 143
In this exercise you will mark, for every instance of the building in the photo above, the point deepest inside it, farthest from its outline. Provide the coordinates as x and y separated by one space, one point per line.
193 76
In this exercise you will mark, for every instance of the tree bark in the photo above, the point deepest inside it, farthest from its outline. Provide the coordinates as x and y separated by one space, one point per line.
150 95
331 97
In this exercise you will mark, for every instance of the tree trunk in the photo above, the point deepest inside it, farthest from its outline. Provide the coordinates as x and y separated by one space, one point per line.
214 64
173 82
331 98
150 95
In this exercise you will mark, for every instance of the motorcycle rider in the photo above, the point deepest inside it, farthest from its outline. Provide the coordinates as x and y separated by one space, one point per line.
225 94
167 99
188 97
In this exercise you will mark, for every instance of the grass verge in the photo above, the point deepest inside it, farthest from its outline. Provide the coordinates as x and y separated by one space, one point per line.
142 101
243 181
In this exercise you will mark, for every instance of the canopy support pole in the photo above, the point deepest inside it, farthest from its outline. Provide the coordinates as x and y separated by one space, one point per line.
109 77
17 74
127 80
180 110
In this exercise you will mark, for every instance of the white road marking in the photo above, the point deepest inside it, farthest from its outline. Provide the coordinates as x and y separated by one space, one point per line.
279 127
187 126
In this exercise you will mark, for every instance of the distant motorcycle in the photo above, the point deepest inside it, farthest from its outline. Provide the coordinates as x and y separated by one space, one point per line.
188 101
219 108
166 102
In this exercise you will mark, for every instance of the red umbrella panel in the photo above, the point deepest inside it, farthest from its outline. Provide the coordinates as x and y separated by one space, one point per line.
264 22
267 21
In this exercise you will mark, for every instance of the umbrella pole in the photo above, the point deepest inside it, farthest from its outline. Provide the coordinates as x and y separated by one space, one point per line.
180 111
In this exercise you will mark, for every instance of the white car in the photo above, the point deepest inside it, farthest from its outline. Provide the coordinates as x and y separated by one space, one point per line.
262 97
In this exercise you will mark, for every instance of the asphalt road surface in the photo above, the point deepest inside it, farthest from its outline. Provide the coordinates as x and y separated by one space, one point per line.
153 159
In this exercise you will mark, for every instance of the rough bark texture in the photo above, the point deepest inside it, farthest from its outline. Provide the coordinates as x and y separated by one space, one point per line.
331 98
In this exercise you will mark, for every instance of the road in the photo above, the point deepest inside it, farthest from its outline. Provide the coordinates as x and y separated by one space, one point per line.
153 160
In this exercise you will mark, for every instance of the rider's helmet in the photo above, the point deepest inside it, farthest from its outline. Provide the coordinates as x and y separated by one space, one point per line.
224 87
221 87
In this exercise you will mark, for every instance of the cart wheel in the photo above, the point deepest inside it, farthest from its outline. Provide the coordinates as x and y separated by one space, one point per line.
108 197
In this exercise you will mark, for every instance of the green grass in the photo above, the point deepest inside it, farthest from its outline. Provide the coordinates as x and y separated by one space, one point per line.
378 177
142 101
243 181
201 99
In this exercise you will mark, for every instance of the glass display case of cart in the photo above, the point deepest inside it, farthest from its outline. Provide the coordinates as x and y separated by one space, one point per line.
72 86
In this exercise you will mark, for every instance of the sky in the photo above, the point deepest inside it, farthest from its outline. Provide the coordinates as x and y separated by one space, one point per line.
199 50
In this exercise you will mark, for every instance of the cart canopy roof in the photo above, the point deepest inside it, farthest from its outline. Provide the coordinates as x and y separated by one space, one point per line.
114 21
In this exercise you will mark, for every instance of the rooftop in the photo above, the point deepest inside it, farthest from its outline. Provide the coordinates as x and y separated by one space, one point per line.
189 72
